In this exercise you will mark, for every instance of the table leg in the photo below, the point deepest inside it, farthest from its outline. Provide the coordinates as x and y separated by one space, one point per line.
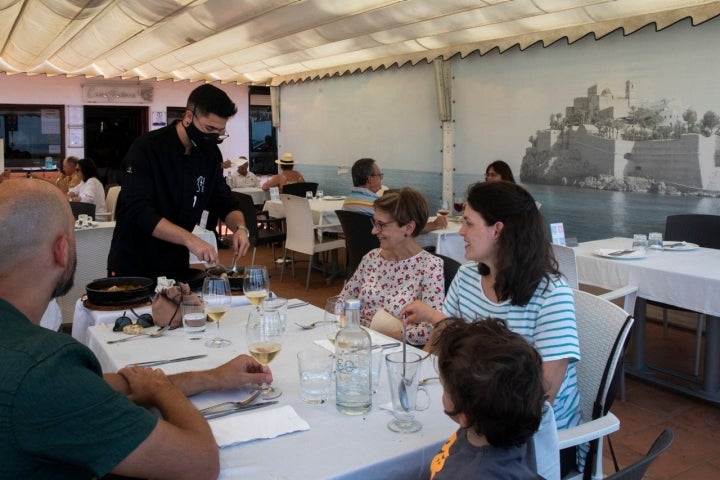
712 354
638 335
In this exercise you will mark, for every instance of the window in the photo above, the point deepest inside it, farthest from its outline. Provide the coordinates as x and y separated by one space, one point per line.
31 133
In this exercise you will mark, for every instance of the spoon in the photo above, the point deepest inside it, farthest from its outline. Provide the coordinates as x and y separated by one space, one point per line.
151 335
312 325
402 388
233 268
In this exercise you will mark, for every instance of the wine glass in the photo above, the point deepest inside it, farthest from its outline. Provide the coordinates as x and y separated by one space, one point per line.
216 297
459 205
334 316
256 285
444 209
264 338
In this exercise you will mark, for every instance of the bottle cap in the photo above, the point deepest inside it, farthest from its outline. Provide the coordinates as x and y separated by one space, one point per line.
352 303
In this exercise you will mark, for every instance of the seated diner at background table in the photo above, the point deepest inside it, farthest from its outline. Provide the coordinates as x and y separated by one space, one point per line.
241 176
493 388
400 270
367 185
171 175
69 177
499 170
516 278
286 174
90 189
62 417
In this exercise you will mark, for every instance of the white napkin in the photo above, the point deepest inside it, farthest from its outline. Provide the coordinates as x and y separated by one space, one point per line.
269 423
375 339
386 323
605 252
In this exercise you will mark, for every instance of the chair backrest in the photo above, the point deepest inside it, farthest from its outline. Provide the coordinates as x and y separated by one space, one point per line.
637 470
565 257
450 268
299 224
245 204
695 228
359 239
111 201
79 208
299 189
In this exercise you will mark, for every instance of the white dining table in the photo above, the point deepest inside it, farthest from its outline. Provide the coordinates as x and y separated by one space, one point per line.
258 195
688 279
323 210
446 241
336 445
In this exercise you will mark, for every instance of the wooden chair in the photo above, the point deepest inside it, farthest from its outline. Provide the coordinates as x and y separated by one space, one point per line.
359 239
302 233
299 189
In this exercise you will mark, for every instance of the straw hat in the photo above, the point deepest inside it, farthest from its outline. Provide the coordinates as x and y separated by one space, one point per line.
286 159
239 162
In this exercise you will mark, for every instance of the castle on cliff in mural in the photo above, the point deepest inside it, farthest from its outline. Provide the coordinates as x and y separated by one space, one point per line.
612 142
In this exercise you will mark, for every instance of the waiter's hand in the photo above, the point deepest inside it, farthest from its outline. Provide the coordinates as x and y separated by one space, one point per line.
203 250
240 242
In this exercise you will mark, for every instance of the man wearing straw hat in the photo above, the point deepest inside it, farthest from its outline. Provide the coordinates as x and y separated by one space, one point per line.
286 175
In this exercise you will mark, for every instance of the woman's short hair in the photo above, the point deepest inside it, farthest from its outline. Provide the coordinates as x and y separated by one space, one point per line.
492 375
502 169
524 254
404 206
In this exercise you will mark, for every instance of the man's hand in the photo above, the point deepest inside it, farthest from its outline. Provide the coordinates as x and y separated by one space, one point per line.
240 242
203 250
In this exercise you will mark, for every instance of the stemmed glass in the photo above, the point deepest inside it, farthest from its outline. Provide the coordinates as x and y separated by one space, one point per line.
256 285
264 338
216 297
459 205
334 316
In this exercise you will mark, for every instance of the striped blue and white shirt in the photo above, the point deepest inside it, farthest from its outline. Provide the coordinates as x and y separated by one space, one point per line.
547 321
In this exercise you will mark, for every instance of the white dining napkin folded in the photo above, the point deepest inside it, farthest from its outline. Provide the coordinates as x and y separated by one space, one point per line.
269 423
375 339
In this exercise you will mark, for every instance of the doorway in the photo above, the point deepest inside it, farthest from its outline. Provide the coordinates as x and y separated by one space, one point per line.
109 132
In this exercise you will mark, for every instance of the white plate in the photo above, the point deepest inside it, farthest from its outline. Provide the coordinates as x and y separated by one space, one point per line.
680 248
605 252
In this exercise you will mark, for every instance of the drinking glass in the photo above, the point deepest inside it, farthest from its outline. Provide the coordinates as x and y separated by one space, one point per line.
320 195
444 209
216 297
256 285
640 242
309 195
655 241
403 374
264 339
459 205
277 304
334 316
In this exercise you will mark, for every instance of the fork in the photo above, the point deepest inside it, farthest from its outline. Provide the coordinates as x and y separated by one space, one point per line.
312 325
620 253
242 403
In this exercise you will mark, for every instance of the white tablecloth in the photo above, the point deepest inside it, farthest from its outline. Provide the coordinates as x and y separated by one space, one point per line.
258 195
447 241
336 446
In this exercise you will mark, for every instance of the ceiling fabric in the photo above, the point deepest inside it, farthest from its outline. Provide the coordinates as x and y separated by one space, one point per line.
271 42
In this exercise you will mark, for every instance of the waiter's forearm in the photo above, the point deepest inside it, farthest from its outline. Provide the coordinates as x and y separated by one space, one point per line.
168 231
235 220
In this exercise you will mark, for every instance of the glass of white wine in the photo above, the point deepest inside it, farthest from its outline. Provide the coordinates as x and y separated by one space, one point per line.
256 285
264 338
216 297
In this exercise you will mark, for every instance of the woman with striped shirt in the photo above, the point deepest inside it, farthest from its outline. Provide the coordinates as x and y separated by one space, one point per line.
514 276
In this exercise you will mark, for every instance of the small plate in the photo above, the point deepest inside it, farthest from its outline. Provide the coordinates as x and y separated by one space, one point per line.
605 253
686 246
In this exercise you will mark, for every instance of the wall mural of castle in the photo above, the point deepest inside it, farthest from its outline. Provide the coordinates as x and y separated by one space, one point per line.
613 141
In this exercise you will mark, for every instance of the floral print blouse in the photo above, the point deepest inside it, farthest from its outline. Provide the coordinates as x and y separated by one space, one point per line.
391 285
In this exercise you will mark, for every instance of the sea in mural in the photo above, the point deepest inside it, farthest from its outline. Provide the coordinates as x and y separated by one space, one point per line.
587 214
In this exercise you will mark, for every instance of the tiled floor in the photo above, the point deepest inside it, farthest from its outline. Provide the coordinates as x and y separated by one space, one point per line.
647 410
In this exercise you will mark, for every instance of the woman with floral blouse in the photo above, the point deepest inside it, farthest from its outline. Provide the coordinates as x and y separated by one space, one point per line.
400 271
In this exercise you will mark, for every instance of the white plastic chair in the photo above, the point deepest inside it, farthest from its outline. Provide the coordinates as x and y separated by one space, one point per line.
110 203
301 233
603 329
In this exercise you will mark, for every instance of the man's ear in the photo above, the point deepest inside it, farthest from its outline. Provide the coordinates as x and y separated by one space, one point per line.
61 250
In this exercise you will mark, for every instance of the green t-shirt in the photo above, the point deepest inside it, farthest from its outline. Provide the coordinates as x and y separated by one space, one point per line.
58 416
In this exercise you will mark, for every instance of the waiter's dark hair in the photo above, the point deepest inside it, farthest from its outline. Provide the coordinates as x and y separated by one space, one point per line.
207 99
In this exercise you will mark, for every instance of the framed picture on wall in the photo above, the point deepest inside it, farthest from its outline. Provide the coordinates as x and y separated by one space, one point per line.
75 116
76 137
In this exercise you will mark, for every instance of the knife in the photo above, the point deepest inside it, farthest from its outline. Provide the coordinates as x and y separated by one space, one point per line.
239 409
296 305
155 363
386 345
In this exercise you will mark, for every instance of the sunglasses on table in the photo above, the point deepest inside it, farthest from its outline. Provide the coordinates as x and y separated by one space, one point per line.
145 320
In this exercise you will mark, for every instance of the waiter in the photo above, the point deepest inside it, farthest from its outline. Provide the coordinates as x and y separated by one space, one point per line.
170 176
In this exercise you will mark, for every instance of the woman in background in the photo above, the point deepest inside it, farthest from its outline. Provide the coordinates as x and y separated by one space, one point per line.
90 190
499 170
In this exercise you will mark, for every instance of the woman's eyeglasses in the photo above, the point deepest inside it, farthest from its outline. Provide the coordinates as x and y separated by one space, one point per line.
380 225
145 320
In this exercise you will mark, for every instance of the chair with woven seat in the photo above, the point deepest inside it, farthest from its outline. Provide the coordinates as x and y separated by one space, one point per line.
637 470
259 236
603 329
703 230
299 189
302 233
359 239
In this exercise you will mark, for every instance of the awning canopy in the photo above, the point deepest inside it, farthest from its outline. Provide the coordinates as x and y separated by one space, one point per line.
269 42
